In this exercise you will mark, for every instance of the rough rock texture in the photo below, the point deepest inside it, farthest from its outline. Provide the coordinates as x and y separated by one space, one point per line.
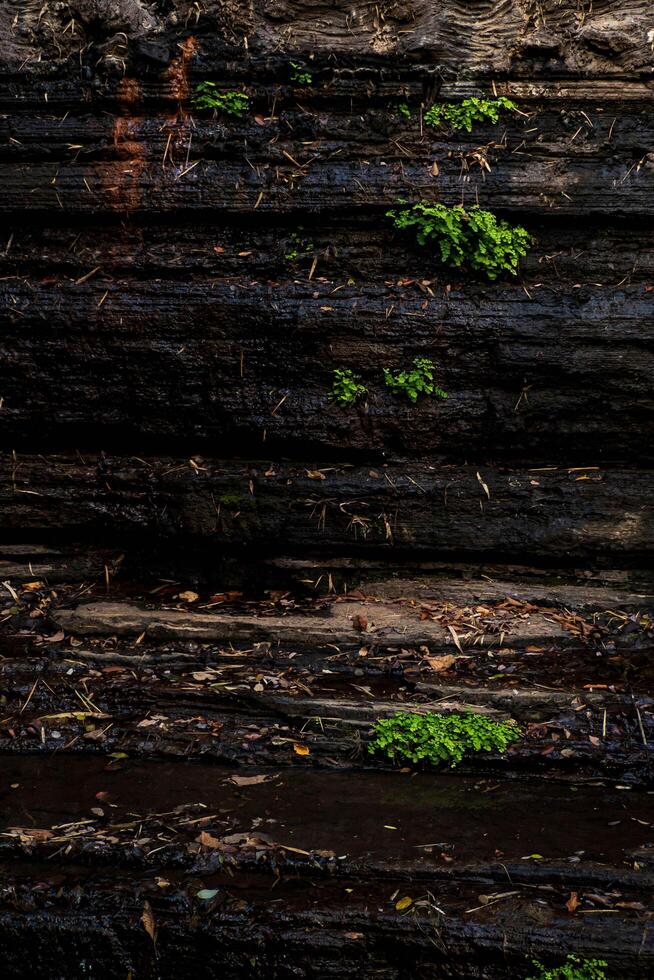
460 512
203 557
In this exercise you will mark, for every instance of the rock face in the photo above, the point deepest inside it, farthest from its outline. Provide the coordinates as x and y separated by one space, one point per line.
204 555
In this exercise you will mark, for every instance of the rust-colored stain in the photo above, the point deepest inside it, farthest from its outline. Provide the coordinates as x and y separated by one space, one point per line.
128 92
178 70
120 180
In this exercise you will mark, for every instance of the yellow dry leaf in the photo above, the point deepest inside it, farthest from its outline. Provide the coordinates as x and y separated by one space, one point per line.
441 663
76 715
404 903
484 486
208 840
300 749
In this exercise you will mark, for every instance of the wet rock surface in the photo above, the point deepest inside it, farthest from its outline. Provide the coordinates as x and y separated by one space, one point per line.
188 773
214 579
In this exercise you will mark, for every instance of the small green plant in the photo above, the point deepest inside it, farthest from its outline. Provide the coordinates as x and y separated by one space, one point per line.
403 110
439 738
463 115
475 237
230 499
299 74
347 388
574 968
298 246
207 96
418 381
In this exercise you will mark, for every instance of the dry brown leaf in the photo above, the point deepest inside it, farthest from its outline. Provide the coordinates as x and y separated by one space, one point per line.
148 921
34 832
455 638
207 840
248 780
360 622
441 663
573 903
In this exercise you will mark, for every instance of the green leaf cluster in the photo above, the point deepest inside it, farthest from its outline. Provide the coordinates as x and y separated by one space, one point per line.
418 381
403 110
439 738
298 246
207 96
574 968
299 74
347 389
474 237
463 115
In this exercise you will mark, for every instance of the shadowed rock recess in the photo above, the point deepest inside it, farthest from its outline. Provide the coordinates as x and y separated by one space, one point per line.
215 578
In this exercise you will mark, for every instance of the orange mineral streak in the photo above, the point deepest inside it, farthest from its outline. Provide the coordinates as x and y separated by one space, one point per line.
128 92
178 70
121 179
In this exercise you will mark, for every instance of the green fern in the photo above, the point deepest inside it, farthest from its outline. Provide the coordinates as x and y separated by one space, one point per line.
574 968
475 237
299 75
463 115
347 389
440 738
418 381
207 96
